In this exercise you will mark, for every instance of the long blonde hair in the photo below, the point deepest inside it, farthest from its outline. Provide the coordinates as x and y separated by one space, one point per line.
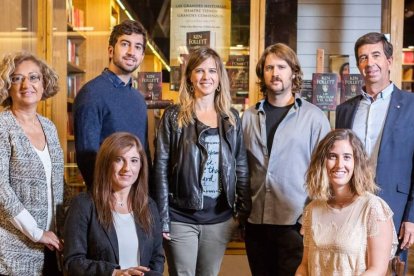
222 98
317 181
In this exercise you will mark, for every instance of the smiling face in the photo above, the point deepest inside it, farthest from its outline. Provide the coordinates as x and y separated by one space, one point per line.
205 78
340 164
277 76
27 85
374 66
126 168
127 54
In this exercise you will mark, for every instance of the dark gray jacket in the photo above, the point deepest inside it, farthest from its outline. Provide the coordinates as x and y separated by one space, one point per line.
179 162
92 250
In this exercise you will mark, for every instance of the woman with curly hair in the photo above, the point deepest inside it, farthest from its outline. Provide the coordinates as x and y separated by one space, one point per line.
31 169
347 229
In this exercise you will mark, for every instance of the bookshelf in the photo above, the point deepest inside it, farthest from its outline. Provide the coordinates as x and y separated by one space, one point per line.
407 82
76 70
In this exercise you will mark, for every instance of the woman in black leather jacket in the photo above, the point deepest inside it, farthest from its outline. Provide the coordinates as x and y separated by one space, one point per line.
201 172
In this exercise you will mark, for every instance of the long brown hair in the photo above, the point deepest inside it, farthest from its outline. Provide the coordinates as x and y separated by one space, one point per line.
222 98
317 181
113 146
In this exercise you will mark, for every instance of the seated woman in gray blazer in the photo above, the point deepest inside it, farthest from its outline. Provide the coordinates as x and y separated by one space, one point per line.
115 229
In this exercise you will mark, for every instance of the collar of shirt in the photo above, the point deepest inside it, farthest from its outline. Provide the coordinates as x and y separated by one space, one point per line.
383 95
298 103
116 81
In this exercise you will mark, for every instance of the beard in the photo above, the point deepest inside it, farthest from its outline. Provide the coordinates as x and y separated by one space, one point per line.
118 62
276 91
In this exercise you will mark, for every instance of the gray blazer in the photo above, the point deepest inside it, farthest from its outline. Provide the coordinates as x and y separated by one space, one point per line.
90 249
23 186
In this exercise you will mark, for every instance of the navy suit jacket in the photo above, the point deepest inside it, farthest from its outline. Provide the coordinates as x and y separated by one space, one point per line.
394 173
90 249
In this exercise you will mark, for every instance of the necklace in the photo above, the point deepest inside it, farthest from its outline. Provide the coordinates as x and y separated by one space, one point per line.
343 203
120 203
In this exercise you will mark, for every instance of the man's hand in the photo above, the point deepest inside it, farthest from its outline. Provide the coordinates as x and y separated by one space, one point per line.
406 234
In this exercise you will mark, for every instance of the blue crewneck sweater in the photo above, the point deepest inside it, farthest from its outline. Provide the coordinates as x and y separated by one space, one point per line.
103 106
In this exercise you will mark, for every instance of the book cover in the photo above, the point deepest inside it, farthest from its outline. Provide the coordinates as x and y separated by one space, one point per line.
195 40
306 91
237 67
351 86
150 85
239 81
175 78
324 90
339 64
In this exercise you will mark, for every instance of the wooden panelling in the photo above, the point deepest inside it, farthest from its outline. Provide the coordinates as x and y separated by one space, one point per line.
333 26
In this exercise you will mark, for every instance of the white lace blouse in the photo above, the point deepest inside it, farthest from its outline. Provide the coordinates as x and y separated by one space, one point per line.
337 238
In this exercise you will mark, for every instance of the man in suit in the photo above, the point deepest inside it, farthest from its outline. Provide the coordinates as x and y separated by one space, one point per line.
383 118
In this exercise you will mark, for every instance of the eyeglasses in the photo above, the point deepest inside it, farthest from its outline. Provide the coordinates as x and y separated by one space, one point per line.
32 77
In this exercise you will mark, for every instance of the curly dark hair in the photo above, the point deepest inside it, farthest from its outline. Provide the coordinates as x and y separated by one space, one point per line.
127 27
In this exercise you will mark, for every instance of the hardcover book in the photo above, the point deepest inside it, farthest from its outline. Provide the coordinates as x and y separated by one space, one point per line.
197 39
306 91
237 67
150 85
351 86
325 90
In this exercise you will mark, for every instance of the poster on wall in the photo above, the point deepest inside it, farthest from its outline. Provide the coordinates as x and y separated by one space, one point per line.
192 19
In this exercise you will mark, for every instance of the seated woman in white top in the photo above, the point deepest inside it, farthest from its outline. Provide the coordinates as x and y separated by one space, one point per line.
347 229
115 230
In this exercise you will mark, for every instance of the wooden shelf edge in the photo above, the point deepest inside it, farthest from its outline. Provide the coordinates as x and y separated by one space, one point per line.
74 69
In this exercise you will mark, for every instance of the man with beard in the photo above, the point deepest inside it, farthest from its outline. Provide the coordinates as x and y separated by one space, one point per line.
108 103
280 133
382 117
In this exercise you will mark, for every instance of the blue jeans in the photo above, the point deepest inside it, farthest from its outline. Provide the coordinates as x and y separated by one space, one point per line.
197 249
273 250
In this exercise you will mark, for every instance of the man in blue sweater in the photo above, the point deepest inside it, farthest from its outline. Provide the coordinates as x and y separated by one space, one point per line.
108 103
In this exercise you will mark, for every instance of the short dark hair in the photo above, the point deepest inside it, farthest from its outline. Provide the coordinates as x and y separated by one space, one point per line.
287 54
127 27
374 38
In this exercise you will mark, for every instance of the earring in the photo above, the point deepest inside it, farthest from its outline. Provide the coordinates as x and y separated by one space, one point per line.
218 88
191 89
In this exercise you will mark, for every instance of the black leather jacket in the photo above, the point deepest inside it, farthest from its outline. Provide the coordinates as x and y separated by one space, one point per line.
179 162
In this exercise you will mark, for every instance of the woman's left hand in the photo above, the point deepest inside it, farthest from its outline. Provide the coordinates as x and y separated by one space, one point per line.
50 240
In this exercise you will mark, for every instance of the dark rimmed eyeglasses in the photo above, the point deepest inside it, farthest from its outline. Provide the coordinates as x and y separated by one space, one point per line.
32 77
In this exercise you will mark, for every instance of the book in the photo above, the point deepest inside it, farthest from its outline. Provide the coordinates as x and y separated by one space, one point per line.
351 86
306 91
325 90
150 85
195 40
237 67
339 64
175 78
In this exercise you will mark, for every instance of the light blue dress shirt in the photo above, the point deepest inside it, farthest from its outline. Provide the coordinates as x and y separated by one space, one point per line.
369 121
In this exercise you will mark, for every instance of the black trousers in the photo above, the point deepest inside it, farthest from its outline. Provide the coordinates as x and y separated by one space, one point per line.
51 267
273 250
